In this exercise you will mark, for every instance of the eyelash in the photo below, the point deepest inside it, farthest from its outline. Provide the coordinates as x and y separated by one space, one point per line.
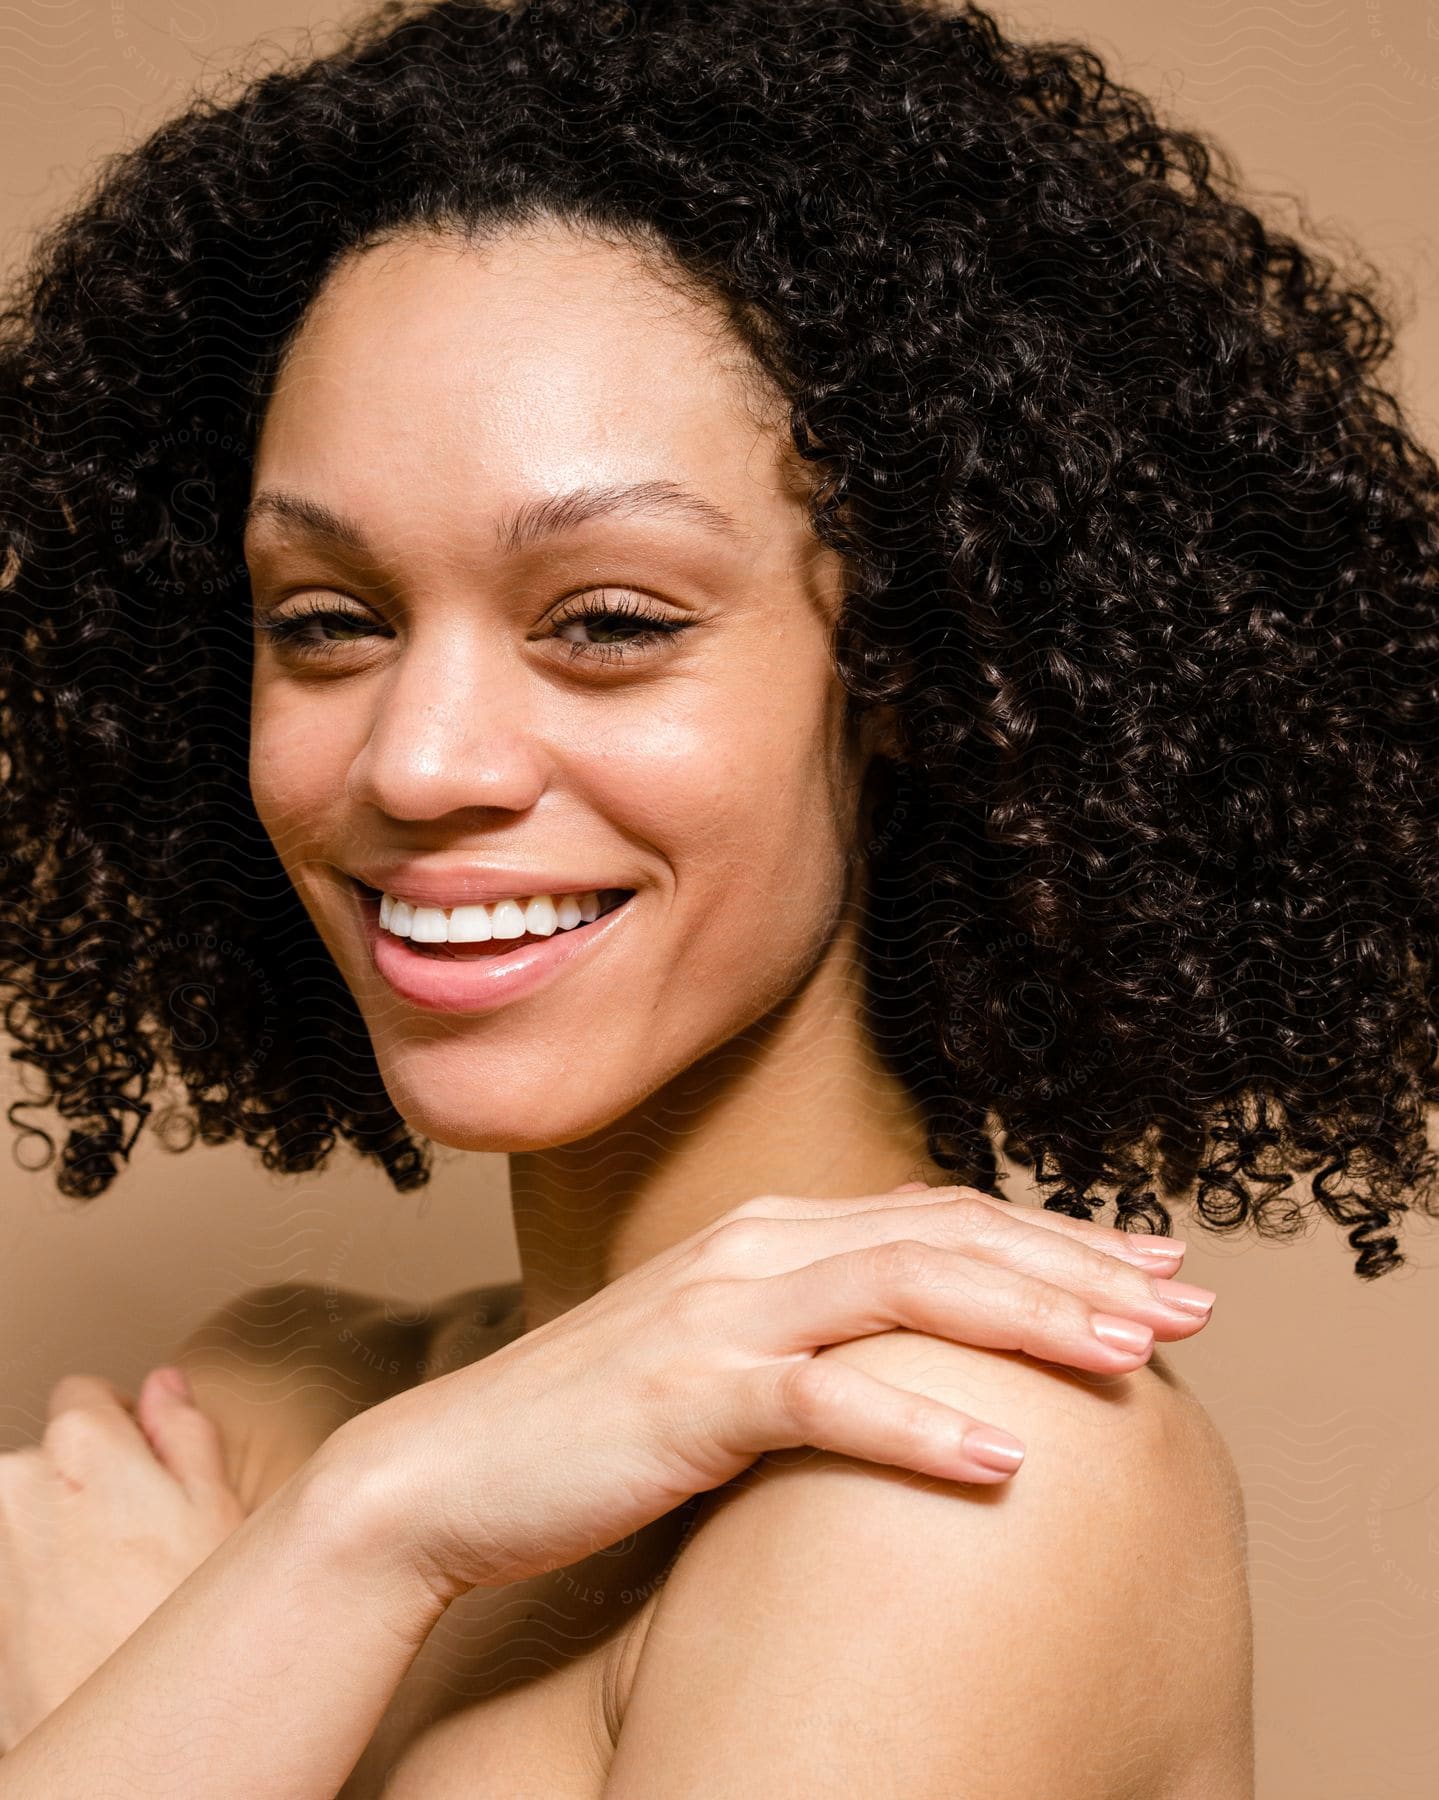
294 630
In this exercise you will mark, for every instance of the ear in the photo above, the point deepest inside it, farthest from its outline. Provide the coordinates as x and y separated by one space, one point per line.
879 732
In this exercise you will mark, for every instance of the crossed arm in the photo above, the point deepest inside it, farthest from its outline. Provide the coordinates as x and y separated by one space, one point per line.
830 1626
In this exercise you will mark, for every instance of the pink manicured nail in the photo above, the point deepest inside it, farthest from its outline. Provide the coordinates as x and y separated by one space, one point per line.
1186 1297
993 1449
1167 1250
1122 1334
176 1381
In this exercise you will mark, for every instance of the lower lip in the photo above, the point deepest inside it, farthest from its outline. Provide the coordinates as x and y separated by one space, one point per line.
482 984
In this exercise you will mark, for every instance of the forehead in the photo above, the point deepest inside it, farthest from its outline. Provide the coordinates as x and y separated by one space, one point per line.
537 362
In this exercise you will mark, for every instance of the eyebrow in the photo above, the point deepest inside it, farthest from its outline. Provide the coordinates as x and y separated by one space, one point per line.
549 516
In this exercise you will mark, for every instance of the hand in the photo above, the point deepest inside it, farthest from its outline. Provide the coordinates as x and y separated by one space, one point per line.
99 1523
677 1375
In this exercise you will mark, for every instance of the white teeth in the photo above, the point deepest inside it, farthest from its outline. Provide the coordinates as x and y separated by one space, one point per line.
506 919
429 926
470 925
539 914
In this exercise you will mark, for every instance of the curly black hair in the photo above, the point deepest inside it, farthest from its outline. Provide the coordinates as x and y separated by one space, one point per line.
1143 558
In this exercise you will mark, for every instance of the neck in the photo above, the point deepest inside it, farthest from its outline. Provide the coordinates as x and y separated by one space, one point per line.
799 1103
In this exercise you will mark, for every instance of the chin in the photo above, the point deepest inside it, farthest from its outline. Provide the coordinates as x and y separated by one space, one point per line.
529 1115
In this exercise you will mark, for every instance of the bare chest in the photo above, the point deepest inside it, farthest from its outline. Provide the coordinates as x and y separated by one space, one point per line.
507 1705
520 1691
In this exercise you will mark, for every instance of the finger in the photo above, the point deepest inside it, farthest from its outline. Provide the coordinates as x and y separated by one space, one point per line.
915 1286
91 1431
1139 1248
991 1234
836 1407
1110 1284
186 1440
87 1390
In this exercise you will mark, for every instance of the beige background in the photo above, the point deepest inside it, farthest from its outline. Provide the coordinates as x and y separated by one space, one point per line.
1323 1386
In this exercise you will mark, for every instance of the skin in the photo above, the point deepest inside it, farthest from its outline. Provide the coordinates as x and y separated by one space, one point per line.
720 1052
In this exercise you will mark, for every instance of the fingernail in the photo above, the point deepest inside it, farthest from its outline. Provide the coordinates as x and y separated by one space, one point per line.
1122 1334
1185 1296
1161 1249
176 1381
994 1449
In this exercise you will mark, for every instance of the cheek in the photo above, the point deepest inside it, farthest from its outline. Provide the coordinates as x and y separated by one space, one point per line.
294 770
749 813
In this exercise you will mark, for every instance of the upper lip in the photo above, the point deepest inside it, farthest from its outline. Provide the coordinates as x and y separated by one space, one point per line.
448 884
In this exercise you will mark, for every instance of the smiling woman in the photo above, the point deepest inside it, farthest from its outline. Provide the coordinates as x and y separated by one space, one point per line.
779 576
501 684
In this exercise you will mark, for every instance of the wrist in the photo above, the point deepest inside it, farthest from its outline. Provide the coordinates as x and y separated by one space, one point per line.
343 1503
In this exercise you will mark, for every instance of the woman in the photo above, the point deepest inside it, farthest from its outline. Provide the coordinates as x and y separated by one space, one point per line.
830 533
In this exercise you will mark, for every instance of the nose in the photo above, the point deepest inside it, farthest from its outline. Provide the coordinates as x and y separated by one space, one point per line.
454 727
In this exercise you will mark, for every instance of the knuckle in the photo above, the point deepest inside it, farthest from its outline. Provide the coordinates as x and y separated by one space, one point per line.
1050 1310
736 1243
973 1196
757 1206
901 1260
973 1212
693 1306
805 1391
1117 1284
76 1434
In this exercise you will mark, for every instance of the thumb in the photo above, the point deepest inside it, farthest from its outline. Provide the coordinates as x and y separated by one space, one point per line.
186 1440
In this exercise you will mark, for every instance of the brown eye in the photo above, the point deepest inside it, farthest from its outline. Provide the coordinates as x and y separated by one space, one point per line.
300 630
641 630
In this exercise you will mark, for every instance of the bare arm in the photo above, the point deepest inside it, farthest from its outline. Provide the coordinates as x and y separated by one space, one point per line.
265 1672
269 1668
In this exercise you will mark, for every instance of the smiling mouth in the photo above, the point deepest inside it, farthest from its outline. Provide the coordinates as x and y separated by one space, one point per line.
611 899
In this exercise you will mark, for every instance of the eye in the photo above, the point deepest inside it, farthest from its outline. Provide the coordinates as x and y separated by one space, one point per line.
624 613
300 629
308 631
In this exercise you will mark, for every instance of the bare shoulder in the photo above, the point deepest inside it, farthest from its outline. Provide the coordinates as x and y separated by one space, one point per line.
1108 1576
279 1368
1137 1445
